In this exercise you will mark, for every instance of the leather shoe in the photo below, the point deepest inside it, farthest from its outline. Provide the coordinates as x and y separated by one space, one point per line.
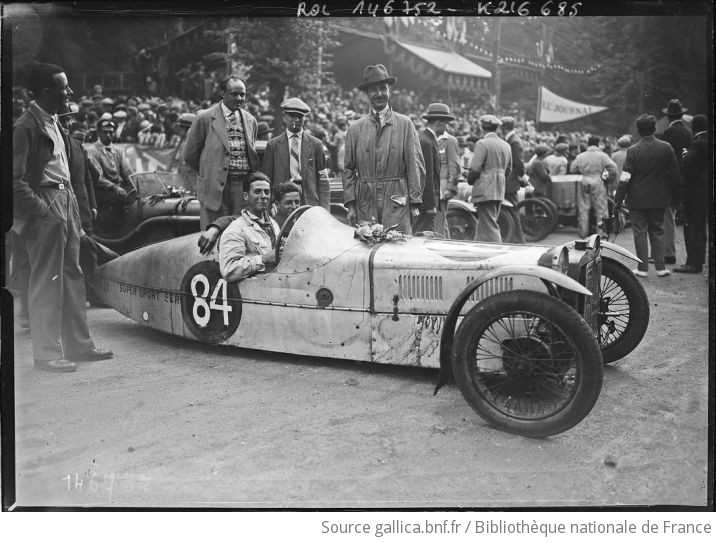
55 365
688 269
92 355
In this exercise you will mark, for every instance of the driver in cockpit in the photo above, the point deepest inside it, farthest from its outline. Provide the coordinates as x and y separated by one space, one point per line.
247 247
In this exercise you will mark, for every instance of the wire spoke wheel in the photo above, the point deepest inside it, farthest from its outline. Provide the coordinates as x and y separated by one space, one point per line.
536 218
623 311
462 225
527 363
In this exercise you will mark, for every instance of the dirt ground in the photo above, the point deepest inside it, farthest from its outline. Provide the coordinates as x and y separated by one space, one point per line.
171 422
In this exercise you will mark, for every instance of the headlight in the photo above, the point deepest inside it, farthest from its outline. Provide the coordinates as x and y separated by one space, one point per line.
556 258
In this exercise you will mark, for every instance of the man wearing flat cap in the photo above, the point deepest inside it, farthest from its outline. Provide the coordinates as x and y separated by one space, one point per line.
220 147
679 137
112 188
491 164
298 157
384 167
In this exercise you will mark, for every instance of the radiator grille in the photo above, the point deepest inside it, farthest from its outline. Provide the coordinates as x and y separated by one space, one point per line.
491 287
420 287
590 276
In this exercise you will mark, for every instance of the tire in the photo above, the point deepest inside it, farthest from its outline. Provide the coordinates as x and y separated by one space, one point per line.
462 224
546 369
507 225
552 205
537 219
623 311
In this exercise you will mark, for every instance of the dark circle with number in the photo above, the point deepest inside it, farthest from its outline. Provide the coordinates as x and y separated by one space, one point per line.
210 306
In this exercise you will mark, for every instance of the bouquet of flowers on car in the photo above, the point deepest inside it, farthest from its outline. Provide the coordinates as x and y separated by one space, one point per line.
169 192
372 233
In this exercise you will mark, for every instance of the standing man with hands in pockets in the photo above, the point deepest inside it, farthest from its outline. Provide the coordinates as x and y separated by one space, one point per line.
220 147
384 170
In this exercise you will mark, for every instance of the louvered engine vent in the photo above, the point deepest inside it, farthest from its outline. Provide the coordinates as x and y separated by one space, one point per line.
420 287
491 287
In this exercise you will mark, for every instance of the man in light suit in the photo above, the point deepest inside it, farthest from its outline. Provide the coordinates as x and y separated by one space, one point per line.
220 147
298 157
491 164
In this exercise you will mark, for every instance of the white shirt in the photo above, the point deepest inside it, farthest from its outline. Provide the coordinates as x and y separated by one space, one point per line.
228 113
381 114
290 135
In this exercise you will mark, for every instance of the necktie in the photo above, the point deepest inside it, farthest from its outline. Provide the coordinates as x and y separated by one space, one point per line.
295 161
376 116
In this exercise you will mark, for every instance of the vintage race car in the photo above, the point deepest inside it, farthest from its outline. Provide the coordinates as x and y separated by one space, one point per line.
158 210
523 329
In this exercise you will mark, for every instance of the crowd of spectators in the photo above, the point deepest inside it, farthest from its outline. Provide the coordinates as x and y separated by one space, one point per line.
149 119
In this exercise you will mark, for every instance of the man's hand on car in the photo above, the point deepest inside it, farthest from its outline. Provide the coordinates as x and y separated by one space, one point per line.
208 240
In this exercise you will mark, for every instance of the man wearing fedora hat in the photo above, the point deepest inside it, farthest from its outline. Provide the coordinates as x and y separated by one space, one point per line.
513 181
298 157
679 137
436 117
491 164
384 167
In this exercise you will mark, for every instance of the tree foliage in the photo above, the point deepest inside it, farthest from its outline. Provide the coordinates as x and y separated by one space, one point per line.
283 55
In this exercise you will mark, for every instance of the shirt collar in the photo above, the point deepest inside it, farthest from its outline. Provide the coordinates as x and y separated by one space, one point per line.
44 115
443 136
228 112
491 134
509 135
290 134
593 148
381 114
674 122
431 131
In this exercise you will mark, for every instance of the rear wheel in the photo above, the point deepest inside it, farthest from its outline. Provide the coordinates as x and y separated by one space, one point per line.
623 311
552 205
461 224
527 363
537 219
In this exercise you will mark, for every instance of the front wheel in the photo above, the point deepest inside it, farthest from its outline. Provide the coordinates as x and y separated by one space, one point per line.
623 311
527 363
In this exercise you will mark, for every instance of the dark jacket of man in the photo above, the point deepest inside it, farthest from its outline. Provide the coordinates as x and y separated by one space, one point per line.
655 178
678 136
276 165
512 182
32 149
695 166
82 176
431 154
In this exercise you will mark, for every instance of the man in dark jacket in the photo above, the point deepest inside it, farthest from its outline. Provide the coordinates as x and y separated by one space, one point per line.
436 117
696 188
47 223
649 180
513 182
679 137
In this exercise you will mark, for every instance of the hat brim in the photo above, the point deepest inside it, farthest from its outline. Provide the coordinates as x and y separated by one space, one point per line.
389 80
438 116
296 111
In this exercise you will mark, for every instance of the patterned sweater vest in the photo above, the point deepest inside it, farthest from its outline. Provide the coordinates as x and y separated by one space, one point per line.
238 157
